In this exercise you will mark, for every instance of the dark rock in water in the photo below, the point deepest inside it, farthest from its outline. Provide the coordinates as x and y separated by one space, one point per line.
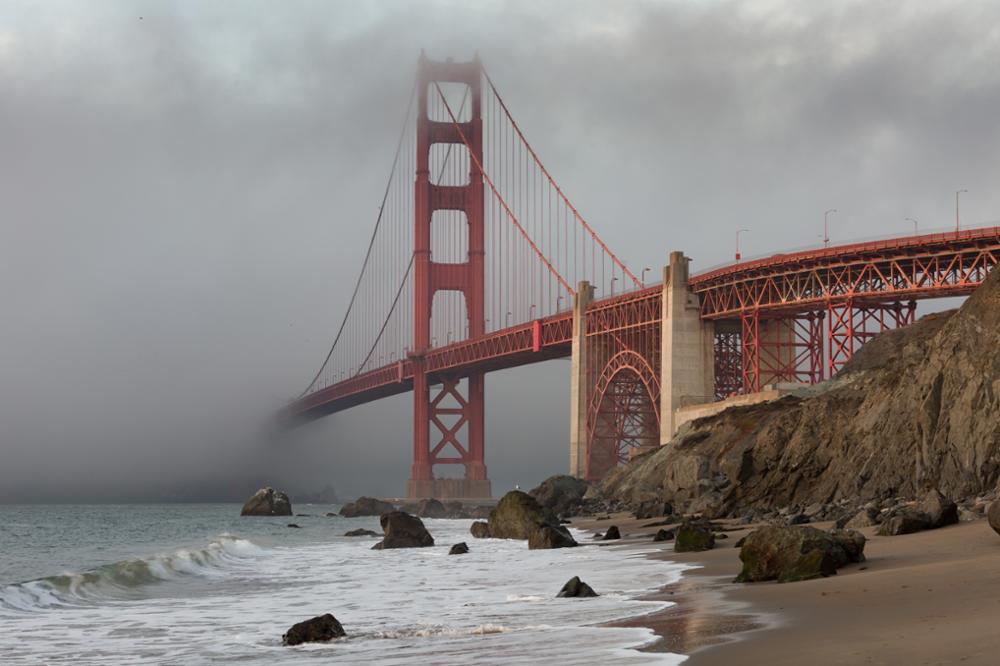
403 531
550 536
303 515
793 553
561 494
517 515
360 533
941 510
366 506
693 536
459 549
267 502
612 534
331 514
664 535
294 525
598 535
904 520
575 587
431 508
480 530
317 630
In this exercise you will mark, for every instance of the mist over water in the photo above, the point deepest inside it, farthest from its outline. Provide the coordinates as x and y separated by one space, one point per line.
187 189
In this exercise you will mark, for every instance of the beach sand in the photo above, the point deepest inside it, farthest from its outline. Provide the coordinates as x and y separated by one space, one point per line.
926 598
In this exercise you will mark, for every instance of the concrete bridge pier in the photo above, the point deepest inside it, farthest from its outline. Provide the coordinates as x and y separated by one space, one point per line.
580 376
687 365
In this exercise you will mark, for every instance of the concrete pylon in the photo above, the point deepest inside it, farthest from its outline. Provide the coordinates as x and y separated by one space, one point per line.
579 376
687 365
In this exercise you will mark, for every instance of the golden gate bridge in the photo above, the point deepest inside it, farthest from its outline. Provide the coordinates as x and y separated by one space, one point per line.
478 261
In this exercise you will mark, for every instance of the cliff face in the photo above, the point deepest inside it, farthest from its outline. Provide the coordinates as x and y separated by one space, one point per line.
917 407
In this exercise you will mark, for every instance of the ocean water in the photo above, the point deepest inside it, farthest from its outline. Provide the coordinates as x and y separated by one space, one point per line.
197 584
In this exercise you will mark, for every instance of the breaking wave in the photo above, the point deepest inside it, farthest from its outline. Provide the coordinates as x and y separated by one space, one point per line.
121 579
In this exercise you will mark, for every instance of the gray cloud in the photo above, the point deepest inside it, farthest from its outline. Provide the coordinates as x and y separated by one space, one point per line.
185 197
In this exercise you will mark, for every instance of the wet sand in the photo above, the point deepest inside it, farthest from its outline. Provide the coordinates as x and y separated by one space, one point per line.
926 598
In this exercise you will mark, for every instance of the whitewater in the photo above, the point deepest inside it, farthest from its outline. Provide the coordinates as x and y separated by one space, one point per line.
196 584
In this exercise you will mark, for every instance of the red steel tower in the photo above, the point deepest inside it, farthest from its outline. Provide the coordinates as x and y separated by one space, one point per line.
458 401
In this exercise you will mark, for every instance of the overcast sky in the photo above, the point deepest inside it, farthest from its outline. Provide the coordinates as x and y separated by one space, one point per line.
186 188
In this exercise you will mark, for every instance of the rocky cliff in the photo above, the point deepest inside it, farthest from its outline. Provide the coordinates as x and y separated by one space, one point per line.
917 407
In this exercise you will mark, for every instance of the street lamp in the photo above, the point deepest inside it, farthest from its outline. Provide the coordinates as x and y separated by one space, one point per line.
957 226
644 275
826 227
910 219
613 280
531 311
740 231
506 320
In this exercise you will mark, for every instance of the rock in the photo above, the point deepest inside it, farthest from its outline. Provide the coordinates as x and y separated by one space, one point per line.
575 587
403 531
459 549
905 520
294 525
941 510
480 511
456 510
916 407
652 509
480 530
720 535
560 494
517 515
866 517
664 535
317 630
366 506
431 508
797 519
550 536
693 536
993 516
853 543
793 553
612 534
360 533
267 502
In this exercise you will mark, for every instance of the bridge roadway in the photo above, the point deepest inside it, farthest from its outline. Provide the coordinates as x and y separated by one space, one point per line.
812 281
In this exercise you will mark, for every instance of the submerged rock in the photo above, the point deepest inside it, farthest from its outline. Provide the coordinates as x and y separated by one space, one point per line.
360 533
403 531
792 553
575 587
366 506
480 530
316 630
693 536
459 549
267 502
295 526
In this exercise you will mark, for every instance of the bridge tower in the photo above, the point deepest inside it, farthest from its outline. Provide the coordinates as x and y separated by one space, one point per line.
457 403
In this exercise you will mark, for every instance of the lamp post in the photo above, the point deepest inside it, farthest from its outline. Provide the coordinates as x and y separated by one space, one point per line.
506 320
826 227
613 280
531 311
740 231
957 224
910 219
647 268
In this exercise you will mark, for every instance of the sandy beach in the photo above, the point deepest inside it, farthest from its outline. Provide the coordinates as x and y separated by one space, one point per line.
926 598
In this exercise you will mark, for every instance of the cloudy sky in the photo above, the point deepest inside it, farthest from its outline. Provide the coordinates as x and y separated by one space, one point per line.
186 187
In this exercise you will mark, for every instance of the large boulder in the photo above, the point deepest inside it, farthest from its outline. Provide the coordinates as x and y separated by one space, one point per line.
550 536
904 520
267 502
403 531
797 552
480 530
612 534
575 587
316 630
693 536
561 494
939 509
517 515
366 506
652 509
